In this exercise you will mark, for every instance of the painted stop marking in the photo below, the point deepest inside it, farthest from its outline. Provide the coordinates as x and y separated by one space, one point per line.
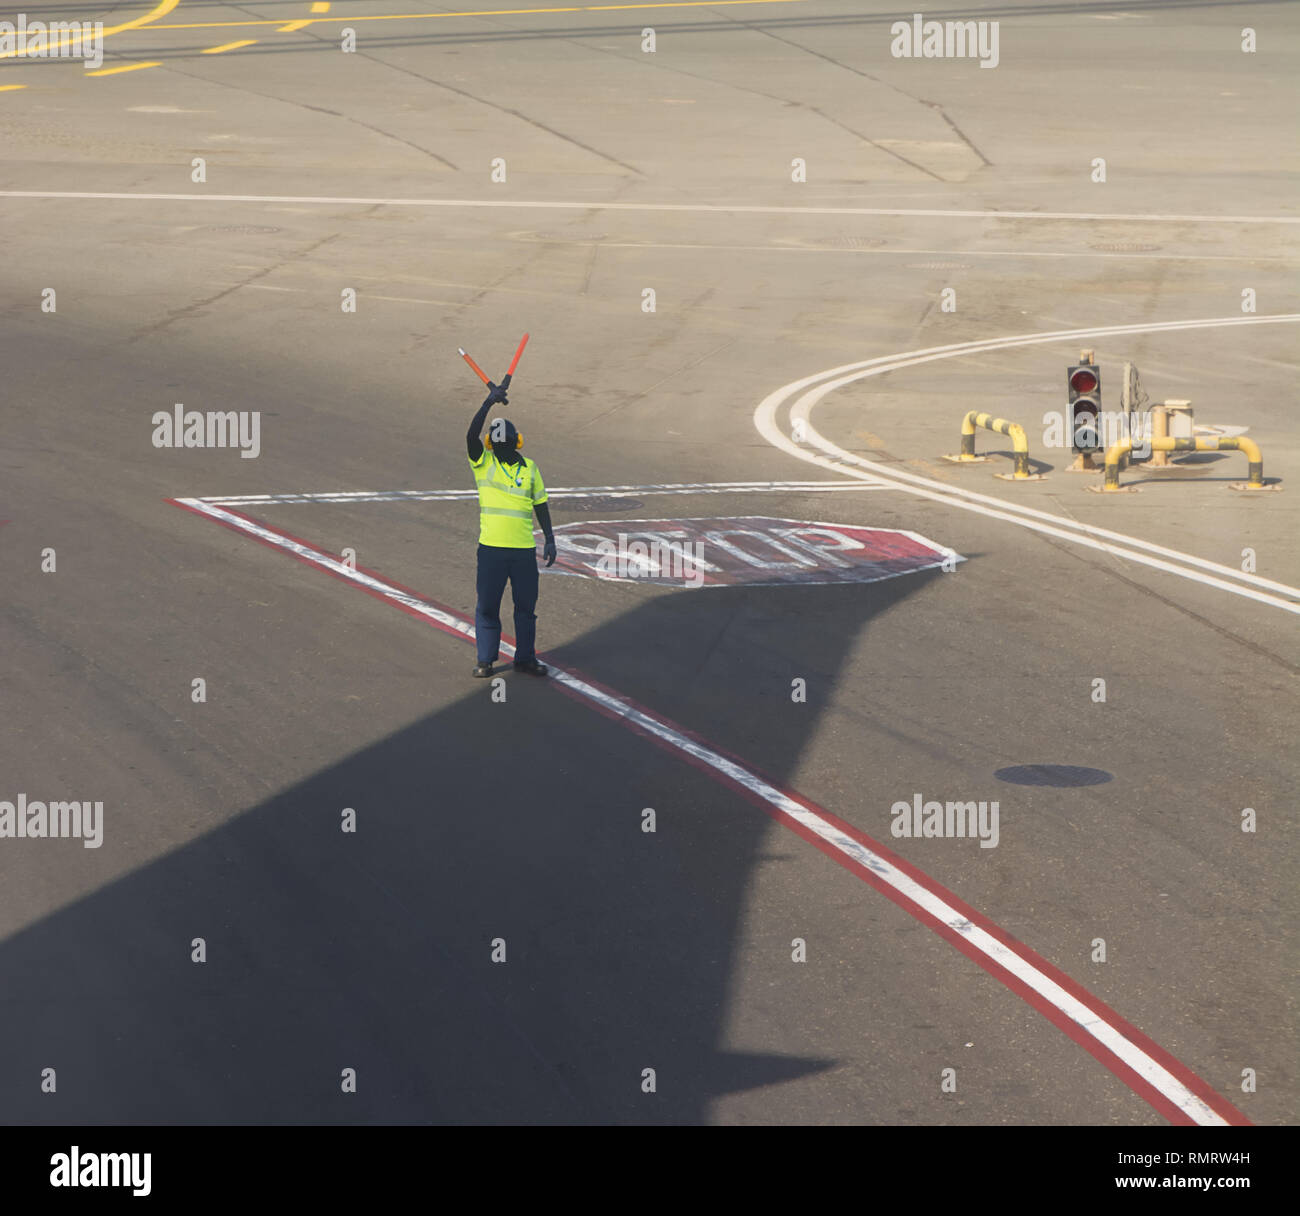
742 549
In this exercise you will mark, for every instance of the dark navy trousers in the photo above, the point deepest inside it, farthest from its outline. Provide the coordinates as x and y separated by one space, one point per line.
495 567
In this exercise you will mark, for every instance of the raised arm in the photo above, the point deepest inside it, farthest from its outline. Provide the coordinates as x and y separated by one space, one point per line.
473 444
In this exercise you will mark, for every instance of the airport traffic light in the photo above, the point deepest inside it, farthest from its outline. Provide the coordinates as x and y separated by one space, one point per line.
1084 383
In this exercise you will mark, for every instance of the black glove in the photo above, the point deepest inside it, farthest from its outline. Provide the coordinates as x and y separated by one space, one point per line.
548 551
496 394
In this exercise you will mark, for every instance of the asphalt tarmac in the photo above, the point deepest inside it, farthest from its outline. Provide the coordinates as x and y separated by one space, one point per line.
484 824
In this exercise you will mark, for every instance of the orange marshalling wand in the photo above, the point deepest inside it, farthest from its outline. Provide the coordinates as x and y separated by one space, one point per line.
514 363
482 375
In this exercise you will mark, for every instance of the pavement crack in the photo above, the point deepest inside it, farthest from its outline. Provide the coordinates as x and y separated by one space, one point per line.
933 105
442 160
1113 568
591 265
189 309
532 122
956 130
304 105
622 405
427 339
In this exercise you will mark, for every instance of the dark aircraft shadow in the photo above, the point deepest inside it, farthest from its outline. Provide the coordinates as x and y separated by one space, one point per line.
372 950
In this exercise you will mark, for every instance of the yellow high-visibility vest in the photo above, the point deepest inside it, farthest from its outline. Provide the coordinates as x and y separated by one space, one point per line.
507 494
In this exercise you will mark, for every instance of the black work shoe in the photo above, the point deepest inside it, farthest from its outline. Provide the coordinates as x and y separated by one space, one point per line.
532 668
482 670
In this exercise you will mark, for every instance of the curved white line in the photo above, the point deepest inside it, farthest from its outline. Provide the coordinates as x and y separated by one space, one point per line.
843 462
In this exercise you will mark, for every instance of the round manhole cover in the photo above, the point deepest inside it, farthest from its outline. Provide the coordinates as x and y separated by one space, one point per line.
1058 776
598 502
1123 247
254 229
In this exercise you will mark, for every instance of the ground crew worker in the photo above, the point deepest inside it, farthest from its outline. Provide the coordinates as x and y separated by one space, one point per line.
510 489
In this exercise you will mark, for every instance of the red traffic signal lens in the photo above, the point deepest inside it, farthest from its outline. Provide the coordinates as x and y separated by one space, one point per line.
1082 380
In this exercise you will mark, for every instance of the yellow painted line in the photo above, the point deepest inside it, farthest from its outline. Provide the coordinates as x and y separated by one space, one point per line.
164 7
9 88
500 12
126 67
295 25
320 7
229 46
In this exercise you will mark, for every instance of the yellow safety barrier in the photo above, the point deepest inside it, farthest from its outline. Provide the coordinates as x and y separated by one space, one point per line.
1019 444
1236 443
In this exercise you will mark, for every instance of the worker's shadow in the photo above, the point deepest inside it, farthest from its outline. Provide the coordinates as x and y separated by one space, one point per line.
500 939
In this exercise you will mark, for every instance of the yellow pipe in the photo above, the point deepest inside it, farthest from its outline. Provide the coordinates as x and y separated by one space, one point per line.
1235 443
1019 442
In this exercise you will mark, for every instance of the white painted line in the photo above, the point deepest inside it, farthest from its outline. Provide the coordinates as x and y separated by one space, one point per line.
888 251
347 497
919 897
407 600
840 461
695 208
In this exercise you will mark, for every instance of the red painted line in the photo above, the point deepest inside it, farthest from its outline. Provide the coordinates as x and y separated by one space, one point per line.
1057 1016
1135 1082
306 561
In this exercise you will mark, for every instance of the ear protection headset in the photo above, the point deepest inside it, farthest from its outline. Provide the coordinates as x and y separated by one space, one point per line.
519 439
